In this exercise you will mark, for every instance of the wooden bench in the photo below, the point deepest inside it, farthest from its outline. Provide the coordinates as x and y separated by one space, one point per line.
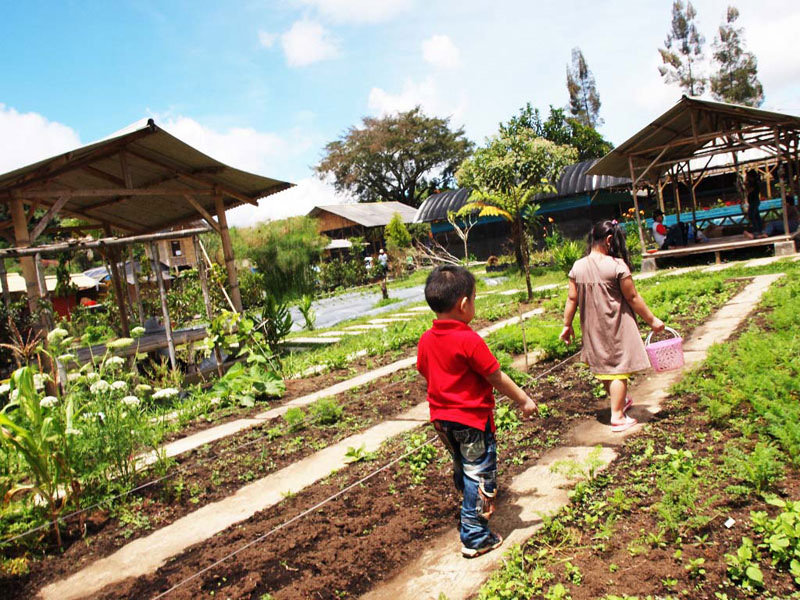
784 246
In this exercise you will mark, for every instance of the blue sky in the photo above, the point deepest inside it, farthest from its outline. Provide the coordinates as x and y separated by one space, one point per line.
263 85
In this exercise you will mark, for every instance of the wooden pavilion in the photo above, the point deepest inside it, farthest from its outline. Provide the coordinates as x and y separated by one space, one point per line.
680 146
134 186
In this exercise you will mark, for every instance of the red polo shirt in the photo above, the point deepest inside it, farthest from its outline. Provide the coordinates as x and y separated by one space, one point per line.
456 361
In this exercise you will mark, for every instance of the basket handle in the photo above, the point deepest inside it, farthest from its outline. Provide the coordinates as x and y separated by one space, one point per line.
670 329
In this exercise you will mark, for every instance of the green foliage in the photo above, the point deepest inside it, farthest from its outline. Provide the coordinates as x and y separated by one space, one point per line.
422 454
283 253
781 535
683 51
309 316
343 273
397 236
295 418
422 152
565 254
326 411
736 79
743 566
277 322
506 418
354 455
757 470
560 129
584 101
522 576
243 385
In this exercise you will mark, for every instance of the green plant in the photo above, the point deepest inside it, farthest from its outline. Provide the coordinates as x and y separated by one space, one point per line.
326 411
422 454
696 568
758 470
309 316
743 566
781 535
506 418
354 455
565 254
295 418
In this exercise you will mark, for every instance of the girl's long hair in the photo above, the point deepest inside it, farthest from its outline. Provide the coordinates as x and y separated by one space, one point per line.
600 231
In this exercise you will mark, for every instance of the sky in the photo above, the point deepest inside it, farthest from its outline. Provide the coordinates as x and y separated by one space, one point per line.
264 85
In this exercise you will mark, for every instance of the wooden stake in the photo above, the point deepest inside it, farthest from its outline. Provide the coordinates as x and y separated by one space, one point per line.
22 238
227 250
201 272
136 288
783 186
117 284
210 267
162 293
4 284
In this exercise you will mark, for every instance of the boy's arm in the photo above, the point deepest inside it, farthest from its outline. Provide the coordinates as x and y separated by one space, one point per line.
505 385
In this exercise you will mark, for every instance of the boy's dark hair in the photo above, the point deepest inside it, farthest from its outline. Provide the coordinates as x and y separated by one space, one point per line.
618 248
658 213
446 285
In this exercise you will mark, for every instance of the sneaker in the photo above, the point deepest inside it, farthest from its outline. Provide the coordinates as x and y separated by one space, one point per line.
628 404
493 541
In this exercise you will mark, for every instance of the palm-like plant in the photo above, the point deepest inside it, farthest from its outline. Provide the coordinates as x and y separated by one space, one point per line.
507 174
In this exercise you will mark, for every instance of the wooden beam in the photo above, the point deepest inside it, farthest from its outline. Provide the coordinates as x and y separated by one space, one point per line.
162 294
206 215
22 239
4 284
227 249
126 173
48 216
636 204
113 257
783 187
136 288
100 192
200 265
94 171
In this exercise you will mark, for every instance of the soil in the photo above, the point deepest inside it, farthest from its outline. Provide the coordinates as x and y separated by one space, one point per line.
389 518
341 549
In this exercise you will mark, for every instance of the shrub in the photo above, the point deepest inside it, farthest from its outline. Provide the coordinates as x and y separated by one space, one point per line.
565 255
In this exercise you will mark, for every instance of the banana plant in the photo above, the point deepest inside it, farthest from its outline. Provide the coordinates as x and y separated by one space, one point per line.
39 437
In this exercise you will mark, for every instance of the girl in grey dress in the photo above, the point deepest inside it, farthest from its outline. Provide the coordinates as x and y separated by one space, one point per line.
600 284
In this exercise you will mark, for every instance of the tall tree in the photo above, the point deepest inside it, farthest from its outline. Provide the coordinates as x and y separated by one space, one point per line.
560 129
737 78
505 177
683 51
398 157
584 101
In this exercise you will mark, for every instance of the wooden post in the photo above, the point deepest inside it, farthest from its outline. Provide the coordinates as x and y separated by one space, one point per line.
768 178
200 265
111 256
164 309
41 283
782 177
739 180
4 284
22 239
227 249
694 200
677 195
139 307
636 204
660 190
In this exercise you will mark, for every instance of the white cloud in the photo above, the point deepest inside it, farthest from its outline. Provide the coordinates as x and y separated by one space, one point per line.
359 11
30 137
440 51
424 93
308 42
267 39
299 200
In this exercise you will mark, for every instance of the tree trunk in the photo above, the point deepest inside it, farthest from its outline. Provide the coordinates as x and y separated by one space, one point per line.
516 235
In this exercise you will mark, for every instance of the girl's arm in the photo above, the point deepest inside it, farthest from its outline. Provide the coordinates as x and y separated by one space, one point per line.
639 306
569 312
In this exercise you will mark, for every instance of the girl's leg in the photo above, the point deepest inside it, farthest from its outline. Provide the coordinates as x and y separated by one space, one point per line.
617 390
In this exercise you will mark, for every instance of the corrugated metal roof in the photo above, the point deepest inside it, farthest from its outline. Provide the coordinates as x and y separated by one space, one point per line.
687 127
16 282
368 214
154 159
574 180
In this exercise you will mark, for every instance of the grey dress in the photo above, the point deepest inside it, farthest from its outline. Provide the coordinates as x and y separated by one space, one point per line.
612 344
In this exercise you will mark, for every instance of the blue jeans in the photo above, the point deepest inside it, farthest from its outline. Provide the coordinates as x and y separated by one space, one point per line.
474 454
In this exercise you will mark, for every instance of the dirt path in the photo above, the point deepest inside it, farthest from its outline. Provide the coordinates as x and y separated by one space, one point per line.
537 491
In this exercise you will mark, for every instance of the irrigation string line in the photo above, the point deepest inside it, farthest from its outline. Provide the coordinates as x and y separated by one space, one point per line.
325 501
295 518
63 519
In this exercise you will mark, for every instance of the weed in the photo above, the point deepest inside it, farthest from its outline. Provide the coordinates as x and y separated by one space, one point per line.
326 411
295 418
743 566
506 418
758 470
419 460
695 568
354 455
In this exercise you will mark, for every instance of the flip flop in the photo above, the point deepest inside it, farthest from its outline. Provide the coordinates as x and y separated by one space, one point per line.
624 425
628 404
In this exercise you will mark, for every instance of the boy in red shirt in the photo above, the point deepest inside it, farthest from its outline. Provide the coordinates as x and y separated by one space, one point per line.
461 372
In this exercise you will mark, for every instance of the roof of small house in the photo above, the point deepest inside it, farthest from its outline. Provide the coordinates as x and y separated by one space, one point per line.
16 282
368 214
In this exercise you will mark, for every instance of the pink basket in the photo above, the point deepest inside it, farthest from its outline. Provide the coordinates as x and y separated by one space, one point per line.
665 355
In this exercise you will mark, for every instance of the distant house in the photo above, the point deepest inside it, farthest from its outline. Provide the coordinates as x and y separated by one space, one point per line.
364 219
82 287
